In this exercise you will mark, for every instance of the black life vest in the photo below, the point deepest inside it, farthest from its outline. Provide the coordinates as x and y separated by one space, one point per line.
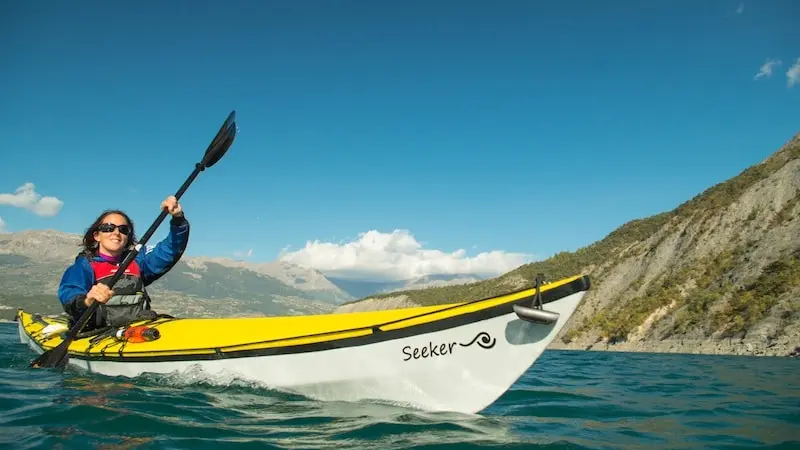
130 301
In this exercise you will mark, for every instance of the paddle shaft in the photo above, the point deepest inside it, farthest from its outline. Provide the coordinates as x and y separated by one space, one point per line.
130 256
58 356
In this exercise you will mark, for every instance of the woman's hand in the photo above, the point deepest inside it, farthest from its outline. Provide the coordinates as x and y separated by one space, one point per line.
172 206
99 292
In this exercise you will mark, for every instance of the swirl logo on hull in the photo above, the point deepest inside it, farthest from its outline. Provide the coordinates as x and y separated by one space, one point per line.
483 339
432 350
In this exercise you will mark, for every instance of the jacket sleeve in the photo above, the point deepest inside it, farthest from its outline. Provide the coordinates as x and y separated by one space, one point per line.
157 261
75 283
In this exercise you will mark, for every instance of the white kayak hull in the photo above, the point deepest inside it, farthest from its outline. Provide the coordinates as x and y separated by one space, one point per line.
462 368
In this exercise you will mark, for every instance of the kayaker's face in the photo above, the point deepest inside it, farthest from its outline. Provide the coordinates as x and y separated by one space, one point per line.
112 241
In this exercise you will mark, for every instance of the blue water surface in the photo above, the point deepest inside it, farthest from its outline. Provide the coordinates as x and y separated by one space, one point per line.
568 400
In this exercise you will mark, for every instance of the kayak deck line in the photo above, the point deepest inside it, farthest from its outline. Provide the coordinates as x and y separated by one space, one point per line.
453 315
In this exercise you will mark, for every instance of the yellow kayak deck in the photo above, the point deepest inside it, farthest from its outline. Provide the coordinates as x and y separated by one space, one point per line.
211 338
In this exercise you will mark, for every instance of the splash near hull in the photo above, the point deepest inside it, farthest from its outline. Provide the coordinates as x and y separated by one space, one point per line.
454 357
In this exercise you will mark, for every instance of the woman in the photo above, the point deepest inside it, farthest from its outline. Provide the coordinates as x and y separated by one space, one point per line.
104 246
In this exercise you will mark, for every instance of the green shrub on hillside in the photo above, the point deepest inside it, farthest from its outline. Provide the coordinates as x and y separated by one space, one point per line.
753 302
696 312
617 322
786 214
723 194
616 325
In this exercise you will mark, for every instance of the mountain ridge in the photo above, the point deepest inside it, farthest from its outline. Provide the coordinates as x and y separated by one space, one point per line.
32 262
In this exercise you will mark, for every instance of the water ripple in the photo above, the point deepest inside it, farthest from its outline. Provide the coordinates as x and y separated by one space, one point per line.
569 400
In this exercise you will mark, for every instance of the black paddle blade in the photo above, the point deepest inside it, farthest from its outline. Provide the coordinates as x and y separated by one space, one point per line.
222 148
55 357
222 141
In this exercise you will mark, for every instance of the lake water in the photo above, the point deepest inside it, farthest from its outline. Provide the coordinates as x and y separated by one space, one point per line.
568 400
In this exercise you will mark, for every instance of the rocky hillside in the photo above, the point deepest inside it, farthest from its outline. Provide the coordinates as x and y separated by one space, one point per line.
718 274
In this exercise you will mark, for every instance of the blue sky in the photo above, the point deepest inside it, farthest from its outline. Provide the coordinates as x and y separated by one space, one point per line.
518 126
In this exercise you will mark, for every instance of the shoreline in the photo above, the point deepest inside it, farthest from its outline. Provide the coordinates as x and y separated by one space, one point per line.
782 347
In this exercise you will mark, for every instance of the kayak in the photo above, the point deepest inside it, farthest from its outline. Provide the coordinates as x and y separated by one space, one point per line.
458 357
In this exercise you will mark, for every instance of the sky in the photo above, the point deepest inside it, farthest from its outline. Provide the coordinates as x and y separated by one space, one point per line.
387 140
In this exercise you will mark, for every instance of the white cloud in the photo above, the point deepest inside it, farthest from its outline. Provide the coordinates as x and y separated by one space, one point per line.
793 74
2 225
740 8
26 197
246 254
397 256
767 67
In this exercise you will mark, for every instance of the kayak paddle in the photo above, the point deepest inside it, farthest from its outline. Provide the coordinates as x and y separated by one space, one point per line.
57 357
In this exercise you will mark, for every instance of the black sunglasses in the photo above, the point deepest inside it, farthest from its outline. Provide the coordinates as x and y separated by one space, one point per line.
109 227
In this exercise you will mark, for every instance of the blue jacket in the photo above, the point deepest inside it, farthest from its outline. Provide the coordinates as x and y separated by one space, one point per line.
79 277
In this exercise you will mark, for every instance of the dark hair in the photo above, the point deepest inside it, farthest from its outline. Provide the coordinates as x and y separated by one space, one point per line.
90 245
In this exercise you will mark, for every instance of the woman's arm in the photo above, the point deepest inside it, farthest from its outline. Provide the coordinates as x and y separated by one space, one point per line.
76 282
155 262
